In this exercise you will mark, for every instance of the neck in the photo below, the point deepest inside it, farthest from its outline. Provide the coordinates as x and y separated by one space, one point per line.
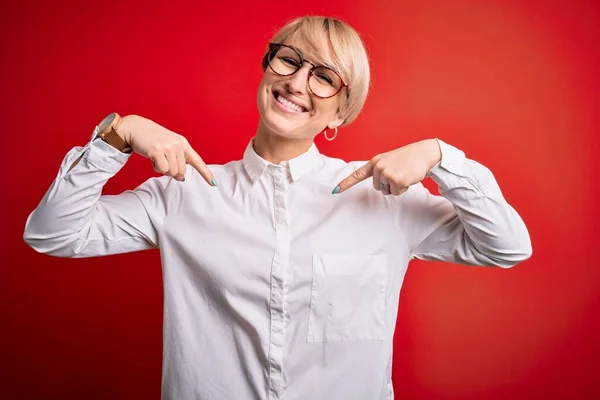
275 148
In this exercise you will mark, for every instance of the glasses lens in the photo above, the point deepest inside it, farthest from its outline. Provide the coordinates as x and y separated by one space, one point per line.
284 61
324 82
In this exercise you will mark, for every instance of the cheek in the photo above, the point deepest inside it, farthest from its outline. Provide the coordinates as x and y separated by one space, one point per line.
326 109
267 79
262 94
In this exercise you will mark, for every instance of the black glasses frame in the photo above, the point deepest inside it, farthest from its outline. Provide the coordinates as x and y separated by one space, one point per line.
274 48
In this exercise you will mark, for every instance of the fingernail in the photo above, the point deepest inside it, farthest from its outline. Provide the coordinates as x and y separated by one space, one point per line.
214 182
183 180
336 190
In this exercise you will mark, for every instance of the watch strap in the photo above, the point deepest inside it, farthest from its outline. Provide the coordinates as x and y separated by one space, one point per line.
110 136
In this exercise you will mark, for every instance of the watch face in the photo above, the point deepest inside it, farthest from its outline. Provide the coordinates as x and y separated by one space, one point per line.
106 122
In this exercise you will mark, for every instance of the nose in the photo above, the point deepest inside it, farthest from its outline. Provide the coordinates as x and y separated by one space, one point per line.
298 81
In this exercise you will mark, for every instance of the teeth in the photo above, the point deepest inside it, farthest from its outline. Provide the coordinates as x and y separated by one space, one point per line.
289 104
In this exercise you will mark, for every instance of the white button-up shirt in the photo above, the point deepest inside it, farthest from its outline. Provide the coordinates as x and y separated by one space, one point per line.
274 288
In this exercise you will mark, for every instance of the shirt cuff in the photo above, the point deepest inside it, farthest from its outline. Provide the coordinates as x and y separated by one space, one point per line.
452 160
103 155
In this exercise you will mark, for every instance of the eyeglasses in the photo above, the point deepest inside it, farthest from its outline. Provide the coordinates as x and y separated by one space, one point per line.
286 60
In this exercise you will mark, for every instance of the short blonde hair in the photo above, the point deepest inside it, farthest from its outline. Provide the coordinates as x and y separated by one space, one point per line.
348 52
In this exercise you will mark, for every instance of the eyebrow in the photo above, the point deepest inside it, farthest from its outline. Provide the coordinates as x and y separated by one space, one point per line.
318 64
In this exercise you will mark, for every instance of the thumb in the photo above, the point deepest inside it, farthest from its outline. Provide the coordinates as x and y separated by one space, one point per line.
362 173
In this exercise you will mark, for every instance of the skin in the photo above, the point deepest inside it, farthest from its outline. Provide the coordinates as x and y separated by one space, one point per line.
283 134
395 171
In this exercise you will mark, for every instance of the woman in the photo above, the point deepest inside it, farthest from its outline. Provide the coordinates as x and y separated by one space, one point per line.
282 270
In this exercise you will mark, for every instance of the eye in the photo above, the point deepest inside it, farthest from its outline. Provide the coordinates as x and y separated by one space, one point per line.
324 78
290 61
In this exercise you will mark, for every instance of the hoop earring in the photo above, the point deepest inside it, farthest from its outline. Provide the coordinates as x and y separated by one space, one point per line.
327 137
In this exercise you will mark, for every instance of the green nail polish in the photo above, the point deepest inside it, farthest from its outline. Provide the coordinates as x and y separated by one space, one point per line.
214 182
336 190
183 180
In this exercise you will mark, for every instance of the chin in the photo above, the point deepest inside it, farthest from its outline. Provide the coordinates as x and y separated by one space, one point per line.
279 127
276 123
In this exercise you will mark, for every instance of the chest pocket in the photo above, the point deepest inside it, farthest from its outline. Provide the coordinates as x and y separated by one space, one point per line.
347 298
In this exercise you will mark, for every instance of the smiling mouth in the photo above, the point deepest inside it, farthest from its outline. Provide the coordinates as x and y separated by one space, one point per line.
292 106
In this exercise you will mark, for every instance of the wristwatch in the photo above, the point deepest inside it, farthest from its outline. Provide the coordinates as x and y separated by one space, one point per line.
107 131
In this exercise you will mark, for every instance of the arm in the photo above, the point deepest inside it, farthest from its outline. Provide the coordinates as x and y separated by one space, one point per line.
471 223
74 219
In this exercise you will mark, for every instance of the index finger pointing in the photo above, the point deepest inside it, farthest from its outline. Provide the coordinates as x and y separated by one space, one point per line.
194 159
362 173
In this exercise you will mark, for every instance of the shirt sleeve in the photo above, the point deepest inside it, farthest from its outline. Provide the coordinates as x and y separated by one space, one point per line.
74 219
470 223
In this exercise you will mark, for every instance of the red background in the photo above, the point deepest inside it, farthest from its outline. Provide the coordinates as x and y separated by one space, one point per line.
514 84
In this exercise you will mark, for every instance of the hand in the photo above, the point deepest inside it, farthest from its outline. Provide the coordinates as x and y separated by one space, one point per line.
169 151
393 172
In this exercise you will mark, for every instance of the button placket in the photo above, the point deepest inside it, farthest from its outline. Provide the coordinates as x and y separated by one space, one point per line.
278 298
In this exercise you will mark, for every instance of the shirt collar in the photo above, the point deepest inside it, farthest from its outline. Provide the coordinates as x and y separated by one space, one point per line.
255 165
